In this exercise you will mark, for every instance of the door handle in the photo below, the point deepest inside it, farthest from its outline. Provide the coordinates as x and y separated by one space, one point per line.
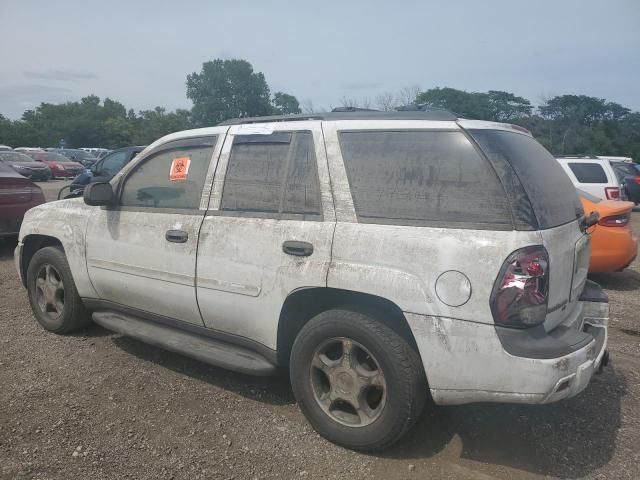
176 236
297 249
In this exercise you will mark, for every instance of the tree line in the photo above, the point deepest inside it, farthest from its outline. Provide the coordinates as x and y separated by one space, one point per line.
223 89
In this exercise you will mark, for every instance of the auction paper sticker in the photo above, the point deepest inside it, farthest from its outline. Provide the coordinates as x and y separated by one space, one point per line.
179 169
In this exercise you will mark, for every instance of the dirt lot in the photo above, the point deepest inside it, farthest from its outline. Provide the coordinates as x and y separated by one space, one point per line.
98 405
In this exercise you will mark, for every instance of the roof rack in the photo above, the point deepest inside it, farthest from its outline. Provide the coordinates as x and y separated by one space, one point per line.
356 114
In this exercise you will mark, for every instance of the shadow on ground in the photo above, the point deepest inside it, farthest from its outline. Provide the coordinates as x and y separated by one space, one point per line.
7 246
624 281
569 439
274 390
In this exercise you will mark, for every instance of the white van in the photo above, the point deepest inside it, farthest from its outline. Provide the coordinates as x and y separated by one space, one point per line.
594 175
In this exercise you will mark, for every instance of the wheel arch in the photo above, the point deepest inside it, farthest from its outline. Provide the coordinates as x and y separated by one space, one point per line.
31 244
302 305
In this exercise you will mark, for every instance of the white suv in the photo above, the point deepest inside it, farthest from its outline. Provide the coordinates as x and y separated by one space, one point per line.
593 175
379 257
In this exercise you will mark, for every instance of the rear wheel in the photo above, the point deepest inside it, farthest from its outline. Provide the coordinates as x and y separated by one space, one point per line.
359 383
52 293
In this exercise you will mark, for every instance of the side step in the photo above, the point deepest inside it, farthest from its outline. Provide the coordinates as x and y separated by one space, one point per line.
201 348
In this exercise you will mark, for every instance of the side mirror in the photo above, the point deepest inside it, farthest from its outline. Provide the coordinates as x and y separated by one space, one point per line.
98 194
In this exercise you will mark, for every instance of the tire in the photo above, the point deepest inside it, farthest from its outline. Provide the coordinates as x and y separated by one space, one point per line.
394 401
52 292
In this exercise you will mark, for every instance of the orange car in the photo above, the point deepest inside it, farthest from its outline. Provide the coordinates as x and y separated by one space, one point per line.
613 246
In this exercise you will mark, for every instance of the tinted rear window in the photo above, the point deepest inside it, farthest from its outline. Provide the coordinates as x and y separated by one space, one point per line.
422 178
588 172
550 191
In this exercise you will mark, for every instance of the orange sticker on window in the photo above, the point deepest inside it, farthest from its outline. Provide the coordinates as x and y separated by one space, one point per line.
179 169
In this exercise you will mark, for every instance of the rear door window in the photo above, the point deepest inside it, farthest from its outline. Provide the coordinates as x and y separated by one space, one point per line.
588 172
272 174
431 178
533 169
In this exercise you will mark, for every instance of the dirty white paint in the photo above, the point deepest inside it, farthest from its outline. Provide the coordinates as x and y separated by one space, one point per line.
465 362
453 288
131 263
65 220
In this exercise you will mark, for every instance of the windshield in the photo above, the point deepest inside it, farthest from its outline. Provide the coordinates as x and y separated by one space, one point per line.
15 157
83 155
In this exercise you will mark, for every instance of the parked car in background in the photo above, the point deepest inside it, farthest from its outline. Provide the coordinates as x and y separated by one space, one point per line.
29 149
77 155
102 171
60 166
613 246
474 288
5 148
25 165
17 195
629 177
592 175
95 151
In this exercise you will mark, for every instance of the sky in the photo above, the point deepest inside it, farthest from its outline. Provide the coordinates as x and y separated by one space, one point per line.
139 52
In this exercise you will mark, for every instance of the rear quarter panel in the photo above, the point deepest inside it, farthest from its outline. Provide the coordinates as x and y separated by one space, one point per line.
410 266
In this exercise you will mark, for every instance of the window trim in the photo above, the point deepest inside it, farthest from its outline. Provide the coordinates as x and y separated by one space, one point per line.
220 211
182 143
427 223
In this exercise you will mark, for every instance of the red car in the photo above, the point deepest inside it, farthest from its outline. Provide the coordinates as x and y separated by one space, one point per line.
17 195
60 165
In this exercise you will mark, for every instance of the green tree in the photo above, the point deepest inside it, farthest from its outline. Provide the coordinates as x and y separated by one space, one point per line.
505 106
227 89
464 104
153 124
284 104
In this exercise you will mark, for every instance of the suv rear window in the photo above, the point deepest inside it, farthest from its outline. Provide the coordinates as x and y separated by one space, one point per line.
588 172
548 188
422 178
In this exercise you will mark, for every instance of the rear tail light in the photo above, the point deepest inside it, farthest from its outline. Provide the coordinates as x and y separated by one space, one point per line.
520 294
615 221
612 193
637 180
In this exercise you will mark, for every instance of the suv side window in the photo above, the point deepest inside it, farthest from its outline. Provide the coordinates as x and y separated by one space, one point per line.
173 177
588 172
422 178
273 174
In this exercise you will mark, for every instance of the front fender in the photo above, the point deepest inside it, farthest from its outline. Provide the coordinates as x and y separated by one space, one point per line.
64 221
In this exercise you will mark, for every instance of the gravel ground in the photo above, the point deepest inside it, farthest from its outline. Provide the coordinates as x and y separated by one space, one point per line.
97 405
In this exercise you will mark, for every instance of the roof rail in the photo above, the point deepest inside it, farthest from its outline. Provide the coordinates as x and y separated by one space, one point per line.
352 109
355 114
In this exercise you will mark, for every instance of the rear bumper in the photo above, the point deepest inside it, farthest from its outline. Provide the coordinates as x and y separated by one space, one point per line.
467 362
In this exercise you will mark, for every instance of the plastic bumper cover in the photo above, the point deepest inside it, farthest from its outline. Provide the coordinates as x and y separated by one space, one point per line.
467 362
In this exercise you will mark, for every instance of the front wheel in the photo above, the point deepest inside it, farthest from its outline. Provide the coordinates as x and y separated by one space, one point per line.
52 293
359 383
